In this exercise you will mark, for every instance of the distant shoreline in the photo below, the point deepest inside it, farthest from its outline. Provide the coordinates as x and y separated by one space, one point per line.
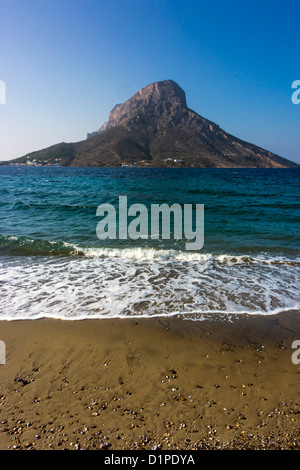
178 167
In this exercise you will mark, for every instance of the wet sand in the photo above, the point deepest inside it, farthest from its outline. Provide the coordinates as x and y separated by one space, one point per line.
150 384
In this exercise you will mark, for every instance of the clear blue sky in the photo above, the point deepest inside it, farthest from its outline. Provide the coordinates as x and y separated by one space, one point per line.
66 63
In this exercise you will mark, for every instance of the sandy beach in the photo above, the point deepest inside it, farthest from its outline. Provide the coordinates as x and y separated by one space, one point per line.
162 383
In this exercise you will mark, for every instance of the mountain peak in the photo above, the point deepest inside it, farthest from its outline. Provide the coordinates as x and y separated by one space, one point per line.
165 90
151 106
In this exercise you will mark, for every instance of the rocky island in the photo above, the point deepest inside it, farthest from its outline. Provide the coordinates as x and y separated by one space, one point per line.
155 127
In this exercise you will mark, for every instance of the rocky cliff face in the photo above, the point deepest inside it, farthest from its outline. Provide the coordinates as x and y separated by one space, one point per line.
155 127
156 107
153 107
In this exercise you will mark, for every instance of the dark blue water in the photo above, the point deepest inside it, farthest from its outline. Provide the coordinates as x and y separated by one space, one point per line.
53 264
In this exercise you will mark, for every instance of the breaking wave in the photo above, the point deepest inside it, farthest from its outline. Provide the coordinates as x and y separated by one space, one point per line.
56 279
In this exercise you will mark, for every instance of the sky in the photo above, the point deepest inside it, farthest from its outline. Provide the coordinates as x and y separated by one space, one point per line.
66 63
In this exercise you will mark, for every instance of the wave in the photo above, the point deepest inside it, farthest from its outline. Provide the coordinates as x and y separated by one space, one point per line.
46 206
16 245
68 281
21 245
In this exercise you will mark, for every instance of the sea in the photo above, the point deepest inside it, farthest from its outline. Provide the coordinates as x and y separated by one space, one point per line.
53 264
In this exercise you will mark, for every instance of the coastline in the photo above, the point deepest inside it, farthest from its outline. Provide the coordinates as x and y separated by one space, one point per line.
162 383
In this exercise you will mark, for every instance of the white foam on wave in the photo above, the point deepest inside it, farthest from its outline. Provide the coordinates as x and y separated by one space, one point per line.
152 254
117 283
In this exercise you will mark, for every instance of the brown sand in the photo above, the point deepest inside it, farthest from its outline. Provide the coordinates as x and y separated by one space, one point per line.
147 384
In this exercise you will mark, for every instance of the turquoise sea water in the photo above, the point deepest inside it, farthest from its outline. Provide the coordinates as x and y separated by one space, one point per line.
53 264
